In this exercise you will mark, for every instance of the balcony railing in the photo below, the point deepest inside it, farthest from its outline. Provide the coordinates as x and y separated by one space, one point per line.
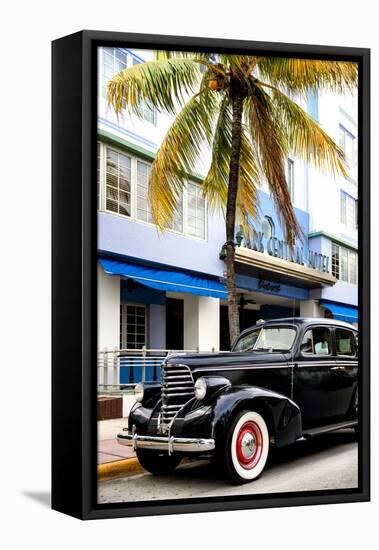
119 370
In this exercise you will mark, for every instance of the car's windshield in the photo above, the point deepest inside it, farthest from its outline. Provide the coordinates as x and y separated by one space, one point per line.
267 339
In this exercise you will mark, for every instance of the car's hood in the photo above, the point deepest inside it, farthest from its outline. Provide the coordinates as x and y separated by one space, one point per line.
220 359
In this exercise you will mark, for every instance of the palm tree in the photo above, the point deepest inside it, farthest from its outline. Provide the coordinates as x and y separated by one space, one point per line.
238 107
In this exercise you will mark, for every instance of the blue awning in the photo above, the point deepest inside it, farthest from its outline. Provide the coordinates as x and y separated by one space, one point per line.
349 314
162 279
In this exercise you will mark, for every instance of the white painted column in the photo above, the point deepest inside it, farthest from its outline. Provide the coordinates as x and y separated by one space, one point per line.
191 322
201 322
310 308
108 327
108 310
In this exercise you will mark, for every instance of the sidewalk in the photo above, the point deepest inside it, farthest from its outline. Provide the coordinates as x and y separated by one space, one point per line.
108 449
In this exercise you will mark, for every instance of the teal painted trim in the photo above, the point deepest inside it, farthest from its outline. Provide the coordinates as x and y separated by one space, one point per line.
131 147
137 150
333 238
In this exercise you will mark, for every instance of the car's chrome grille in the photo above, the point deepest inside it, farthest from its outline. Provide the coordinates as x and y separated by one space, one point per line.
177 389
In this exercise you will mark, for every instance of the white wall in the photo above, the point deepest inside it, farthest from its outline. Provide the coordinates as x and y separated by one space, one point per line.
324 188
108 303
310 308
346 293
201 322
209 323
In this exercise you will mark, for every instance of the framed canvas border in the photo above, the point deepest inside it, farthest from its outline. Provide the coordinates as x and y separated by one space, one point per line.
74 278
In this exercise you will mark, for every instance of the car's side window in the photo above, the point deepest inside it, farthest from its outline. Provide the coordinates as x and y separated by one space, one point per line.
345 342
316 341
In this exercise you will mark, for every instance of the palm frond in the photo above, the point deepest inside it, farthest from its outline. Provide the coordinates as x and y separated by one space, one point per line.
213 68
298 75
178 154
271 146
306 139
236 63
170 54
215 185
163 84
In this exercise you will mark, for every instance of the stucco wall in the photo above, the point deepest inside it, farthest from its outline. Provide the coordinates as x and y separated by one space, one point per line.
108 305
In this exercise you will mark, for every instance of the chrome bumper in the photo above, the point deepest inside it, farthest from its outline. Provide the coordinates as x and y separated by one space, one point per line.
169 444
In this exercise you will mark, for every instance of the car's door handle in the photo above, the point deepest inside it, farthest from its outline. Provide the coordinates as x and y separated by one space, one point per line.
336 368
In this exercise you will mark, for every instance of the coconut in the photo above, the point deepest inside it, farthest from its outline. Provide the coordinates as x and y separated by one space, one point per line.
213 84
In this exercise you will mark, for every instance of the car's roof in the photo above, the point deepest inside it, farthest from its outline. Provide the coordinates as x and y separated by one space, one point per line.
302 321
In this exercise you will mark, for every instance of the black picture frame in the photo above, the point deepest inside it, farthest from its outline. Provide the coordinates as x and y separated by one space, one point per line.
74 240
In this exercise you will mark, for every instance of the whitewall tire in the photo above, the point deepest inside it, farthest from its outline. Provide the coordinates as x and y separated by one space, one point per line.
247 447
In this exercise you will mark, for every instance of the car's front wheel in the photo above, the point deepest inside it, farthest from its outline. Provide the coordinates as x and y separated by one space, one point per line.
247 447
158 463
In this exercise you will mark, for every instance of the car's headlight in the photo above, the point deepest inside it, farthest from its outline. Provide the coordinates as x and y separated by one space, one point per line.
139 392
200 388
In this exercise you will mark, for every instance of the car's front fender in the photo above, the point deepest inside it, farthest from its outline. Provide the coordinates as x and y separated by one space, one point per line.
282 415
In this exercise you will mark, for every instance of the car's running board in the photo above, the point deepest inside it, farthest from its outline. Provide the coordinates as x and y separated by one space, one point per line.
330 428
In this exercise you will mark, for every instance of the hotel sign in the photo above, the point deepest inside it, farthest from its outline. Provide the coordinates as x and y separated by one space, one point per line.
281 249
268 285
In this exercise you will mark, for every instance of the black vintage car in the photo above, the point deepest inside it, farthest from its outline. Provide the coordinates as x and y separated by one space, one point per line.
284 380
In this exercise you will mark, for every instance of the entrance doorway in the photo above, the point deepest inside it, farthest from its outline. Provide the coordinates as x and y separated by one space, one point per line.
174 324
248 317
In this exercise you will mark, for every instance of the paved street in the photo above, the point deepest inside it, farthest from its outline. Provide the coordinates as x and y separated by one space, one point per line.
328 462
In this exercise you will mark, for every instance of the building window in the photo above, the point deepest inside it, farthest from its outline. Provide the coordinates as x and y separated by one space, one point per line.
290 178
344 264
347 144
268 227
195 211
117 180
132 326
352 263
123 182
143 208
144 212
98 174
335 261
115 60
148 113
349 211
312 103
177 222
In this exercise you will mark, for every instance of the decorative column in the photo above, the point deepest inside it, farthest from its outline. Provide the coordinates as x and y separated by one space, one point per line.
310 308
108 310
201 323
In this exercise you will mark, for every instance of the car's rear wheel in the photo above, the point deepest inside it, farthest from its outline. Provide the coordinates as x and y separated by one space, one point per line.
247 447
158 463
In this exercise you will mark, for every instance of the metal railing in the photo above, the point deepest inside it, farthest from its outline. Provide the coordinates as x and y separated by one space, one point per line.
119 370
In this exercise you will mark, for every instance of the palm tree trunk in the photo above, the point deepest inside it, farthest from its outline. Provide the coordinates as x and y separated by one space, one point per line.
230 219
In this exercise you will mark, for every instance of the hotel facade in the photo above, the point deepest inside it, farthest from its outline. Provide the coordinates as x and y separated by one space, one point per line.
165 291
